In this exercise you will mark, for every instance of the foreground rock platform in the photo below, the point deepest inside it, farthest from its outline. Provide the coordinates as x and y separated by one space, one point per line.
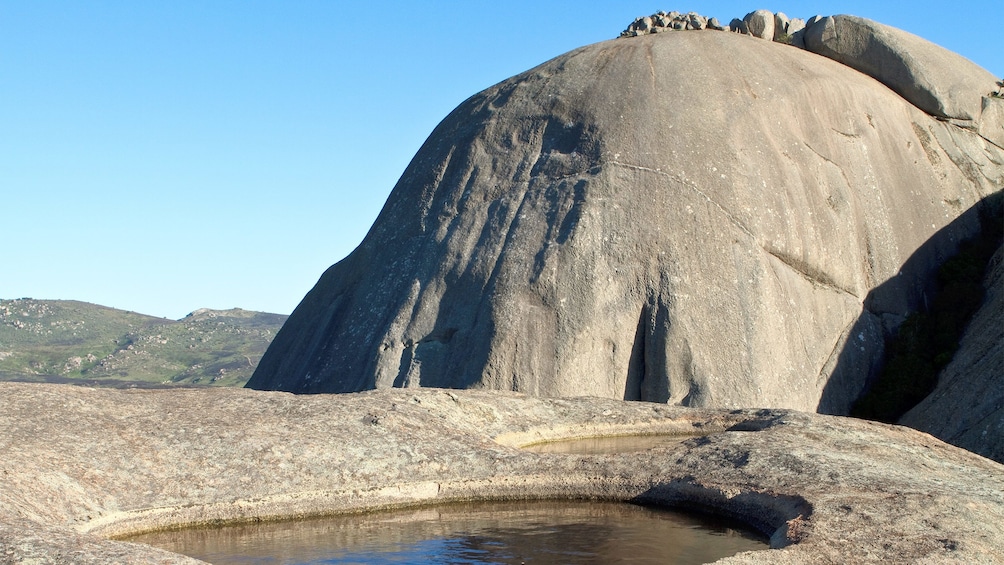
79 466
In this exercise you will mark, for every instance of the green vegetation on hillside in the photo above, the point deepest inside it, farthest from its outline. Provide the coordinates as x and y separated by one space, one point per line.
69 341
927 340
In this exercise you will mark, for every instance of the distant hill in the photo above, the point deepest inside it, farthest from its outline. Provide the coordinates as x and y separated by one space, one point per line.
79 342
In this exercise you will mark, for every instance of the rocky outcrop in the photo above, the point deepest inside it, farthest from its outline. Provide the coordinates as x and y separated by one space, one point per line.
761 23
967 406
932 78
670 21
601 225
79 465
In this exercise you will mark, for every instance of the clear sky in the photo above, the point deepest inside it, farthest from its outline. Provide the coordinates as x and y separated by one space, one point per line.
166 156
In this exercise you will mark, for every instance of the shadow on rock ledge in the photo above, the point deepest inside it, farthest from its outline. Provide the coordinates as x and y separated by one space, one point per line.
861 346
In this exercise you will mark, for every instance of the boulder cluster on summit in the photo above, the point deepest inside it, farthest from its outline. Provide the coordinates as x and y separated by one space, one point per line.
760 23
670 21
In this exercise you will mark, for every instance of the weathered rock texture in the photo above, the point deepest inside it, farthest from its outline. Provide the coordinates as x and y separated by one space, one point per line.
967 407
698 218
79 465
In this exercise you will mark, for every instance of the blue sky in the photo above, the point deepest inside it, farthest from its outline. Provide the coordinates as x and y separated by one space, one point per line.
166 156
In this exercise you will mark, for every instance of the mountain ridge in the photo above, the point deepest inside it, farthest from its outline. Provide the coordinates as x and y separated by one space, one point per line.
70 341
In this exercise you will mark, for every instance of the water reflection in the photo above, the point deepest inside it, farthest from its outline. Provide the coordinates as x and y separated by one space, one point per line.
607 445
504 533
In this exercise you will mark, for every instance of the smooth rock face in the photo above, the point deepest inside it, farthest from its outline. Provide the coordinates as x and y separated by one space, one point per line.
598 226
938 81
78 465
967 407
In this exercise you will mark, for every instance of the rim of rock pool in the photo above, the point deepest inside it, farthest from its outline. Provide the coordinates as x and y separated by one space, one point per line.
694 502
776 518
578 531
124 462
586 443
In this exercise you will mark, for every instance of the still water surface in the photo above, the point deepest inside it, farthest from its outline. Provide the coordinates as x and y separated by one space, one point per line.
540 532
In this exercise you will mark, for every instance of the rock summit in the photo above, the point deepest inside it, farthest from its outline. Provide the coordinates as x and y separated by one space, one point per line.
703 218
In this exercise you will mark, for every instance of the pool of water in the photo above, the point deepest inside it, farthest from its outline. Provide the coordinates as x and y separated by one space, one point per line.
607 445
541 532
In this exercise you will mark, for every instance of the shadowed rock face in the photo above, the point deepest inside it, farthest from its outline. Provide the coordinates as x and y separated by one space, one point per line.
688 217
967 407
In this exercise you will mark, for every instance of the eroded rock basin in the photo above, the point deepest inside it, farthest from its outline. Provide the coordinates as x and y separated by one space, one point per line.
608 444
570 532
80 466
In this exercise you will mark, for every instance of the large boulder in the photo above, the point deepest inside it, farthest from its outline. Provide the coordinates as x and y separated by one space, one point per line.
967 406
760 23
938 81
606 225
